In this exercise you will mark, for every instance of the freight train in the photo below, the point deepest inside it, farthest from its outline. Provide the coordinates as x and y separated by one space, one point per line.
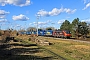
52 33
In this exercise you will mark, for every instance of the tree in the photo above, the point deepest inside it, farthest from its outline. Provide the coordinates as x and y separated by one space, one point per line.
40 29
74 27
75 22
50 28
89 28
21 30
31 29
79 29
65 25
83 29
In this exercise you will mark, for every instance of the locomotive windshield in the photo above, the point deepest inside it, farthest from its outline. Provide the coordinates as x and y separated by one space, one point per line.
68 32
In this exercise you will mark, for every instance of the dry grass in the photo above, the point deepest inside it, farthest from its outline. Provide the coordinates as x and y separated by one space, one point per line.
70 50
80 47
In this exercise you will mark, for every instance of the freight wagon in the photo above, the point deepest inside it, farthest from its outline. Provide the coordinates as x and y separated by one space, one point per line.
53 33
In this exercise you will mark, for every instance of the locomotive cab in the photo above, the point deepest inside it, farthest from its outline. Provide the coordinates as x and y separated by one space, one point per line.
67 34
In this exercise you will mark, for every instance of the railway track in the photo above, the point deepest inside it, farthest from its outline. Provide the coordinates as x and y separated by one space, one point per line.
71 39
76 40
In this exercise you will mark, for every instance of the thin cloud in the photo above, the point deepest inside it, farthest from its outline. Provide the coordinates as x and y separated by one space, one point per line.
61 21
20 17
86 1
30 23
87 6
42 13
87 21
49 21
41 23
3 14
3 20
55 12
18 25
15 2
69 11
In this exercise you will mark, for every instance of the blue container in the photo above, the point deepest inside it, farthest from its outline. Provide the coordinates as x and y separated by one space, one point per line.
28 33
49 32
41 33
33 32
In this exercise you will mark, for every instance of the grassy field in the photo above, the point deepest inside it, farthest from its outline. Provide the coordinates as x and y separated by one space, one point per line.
58 50
70 50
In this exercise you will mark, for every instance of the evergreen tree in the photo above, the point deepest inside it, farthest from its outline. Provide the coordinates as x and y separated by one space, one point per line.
83 29
65 25
74 27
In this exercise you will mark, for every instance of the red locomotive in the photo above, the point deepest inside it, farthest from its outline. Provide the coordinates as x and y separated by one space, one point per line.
62 33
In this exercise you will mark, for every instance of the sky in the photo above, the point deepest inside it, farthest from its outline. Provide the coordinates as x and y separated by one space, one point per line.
21 14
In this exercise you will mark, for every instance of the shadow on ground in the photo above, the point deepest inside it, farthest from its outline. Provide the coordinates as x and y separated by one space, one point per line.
19 53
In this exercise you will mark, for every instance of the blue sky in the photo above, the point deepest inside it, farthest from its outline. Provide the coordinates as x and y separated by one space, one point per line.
20 14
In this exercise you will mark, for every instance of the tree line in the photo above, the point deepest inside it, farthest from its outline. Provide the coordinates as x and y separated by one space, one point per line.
77 28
